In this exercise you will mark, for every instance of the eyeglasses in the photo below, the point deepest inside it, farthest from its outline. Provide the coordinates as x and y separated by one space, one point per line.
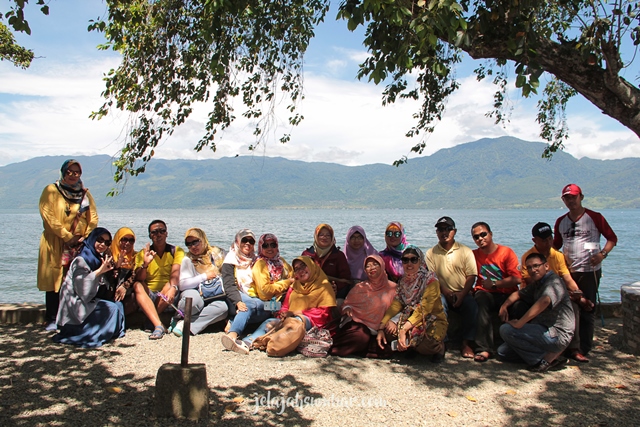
356 237
271 245
410 259
325 235
533 267
481 235
300 269
104 242
393 234
192 243
73 173
249 240
444 229
158 231
128 240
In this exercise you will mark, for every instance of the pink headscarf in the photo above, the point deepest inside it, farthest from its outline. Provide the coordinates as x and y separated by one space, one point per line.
275 264
356 258
370 299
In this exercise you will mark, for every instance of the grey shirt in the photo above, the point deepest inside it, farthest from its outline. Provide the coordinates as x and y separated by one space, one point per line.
558 316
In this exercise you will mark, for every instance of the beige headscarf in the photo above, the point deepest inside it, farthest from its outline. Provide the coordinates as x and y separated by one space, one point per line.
316 292
204 261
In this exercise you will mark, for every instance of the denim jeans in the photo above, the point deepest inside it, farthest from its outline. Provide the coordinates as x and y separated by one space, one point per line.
255 313
468 310
531 343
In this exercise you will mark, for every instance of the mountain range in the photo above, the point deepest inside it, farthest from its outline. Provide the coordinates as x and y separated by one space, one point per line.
486 174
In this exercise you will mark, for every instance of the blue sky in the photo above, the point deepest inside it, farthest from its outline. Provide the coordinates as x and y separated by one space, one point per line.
44 110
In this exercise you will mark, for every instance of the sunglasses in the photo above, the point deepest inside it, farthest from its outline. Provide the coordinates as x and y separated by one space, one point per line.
410 259
158 231
249 240
128 240
271 245
73 173
300 269
481 235
393 233
105 242
192 243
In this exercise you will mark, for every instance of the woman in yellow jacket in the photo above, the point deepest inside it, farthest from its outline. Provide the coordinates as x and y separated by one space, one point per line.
68 215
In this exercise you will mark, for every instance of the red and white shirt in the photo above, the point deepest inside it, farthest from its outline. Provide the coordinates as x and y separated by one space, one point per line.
573 235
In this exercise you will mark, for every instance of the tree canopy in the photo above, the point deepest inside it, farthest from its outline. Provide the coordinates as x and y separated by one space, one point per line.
176 53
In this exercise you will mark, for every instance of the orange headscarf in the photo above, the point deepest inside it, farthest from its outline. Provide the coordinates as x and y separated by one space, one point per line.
128 259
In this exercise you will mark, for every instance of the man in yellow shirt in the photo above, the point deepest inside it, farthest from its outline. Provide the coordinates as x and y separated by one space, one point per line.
157 272
543 244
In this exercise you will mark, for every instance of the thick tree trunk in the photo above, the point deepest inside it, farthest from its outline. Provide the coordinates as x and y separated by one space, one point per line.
615 96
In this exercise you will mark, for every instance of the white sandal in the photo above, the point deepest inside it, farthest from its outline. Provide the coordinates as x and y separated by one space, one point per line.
236 346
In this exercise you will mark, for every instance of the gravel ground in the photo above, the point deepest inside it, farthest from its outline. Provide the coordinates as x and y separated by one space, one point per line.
44 384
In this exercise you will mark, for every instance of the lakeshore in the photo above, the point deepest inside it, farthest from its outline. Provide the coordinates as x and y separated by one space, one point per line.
43 383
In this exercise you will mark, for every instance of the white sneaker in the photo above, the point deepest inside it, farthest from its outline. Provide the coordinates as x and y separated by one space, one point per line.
177 330
51 327
234 345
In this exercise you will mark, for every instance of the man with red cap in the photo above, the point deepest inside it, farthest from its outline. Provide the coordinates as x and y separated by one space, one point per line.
578 233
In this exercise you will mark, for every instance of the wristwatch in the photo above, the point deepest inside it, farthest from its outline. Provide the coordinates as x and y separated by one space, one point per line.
493 286
603 253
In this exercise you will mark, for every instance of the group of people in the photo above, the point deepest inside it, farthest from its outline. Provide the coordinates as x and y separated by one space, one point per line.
372 302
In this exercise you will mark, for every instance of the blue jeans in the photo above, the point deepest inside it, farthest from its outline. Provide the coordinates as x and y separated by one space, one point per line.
255 313
468 311
531 343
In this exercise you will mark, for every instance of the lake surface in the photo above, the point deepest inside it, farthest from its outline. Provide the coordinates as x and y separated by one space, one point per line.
20 232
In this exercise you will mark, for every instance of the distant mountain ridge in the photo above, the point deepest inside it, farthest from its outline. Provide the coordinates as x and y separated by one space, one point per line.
486 174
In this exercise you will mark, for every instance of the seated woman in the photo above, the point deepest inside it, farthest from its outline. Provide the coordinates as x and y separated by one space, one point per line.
363 310
272 275
237 279
332 261
310 298
200 280
356 248
124 258
83 319
396 241
416 315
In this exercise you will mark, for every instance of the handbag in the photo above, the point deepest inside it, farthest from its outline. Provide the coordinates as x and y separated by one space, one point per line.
211 290
316 342
283 338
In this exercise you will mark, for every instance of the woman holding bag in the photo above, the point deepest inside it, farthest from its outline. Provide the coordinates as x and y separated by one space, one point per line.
200 280
68 215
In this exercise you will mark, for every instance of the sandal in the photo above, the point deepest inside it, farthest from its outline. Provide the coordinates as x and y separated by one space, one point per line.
236 346
480 357
157 333
579 357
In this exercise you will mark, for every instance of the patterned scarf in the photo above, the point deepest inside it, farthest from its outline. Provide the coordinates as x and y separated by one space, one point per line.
391 254
411 287
72 193
242 262
205 260
275 264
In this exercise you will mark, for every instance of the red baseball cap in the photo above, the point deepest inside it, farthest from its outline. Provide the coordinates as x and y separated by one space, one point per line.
571 190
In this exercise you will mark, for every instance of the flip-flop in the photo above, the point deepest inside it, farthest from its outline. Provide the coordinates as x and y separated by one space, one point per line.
157 333
479 357
466 353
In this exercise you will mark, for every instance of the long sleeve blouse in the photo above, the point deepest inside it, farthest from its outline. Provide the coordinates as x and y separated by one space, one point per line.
77 293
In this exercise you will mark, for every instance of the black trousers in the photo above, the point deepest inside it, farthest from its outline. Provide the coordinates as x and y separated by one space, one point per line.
588 283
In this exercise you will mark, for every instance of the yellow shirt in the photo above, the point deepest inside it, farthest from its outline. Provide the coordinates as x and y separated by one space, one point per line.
453 266
159 269
263 287
555 259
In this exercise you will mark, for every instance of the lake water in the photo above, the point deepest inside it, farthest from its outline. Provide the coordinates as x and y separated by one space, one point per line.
20 232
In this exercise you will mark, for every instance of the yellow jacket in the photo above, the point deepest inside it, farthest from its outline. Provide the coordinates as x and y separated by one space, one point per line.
57 223
263 287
